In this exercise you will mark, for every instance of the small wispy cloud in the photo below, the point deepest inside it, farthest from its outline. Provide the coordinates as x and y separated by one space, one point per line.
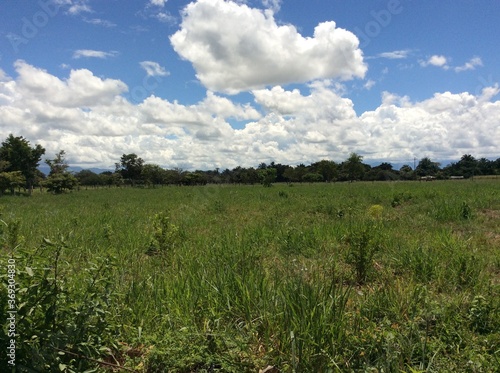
154 68
79 8
88 53
274 5
160 3
75 7
369 84
443 62
470 65
154 9
395 55
138 28
100 22
164 17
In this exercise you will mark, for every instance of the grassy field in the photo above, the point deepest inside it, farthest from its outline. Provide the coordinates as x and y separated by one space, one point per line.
345 277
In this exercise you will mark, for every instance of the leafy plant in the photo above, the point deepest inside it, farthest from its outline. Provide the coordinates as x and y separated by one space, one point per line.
480 313
63 323
363 243
283 194
400 198
165 235
465 211
375 211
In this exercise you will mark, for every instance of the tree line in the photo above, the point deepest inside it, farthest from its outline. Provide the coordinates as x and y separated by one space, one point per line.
19 163
19 168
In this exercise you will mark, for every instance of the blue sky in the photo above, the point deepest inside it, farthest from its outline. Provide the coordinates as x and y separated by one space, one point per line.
214 83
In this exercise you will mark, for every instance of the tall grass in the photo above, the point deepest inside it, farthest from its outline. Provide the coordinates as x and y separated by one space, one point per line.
354 277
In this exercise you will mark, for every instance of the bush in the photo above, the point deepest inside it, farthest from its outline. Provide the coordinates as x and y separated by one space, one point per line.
363 243
63 321
165 234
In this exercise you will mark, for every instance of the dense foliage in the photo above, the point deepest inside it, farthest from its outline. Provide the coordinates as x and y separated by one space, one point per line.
132 170
16 155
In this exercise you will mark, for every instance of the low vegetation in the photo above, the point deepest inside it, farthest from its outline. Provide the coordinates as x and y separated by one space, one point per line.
338 277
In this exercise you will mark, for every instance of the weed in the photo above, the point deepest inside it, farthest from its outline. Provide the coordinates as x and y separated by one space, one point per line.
363 243
282 194
465 211
56 318
375 212
297 241
400 198
479 314
165 235
423 262
218 206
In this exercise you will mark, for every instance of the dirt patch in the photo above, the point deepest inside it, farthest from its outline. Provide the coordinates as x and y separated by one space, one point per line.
490 220
490 214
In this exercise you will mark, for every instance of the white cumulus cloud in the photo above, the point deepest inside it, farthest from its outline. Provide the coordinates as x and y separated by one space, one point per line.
236 48
436 60
88 116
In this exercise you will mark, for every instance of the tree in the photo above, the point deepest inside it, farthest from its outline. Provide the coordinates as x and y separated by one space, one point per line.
485 167
467 165
60 179
327 169
290 175
312 177
384 166
89 178
406 172
22 157
57 165
130 167
353 167
427 168
267 176
252 176
153 174
300 171
11 180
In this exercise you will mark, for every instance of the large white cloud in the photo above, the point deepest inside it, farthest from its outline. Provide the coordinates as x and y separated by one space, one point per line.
235 48
82 88
89 118
445 126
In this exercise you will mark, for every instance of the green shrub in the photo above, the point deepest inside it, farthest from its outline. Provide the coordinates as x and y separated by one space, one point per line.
165 235
363 243
65 321
465 211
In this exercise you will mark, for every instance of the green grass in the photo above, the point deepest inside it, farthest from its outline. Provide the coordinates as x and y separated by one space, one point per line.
349 277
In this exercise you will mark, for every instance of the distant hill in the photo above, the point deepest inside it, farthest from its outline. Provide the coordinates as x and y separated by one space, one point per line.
46 169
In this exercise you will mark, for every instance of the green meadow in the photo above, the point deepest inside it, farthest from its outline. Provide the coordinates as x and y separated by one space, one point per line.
323 277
